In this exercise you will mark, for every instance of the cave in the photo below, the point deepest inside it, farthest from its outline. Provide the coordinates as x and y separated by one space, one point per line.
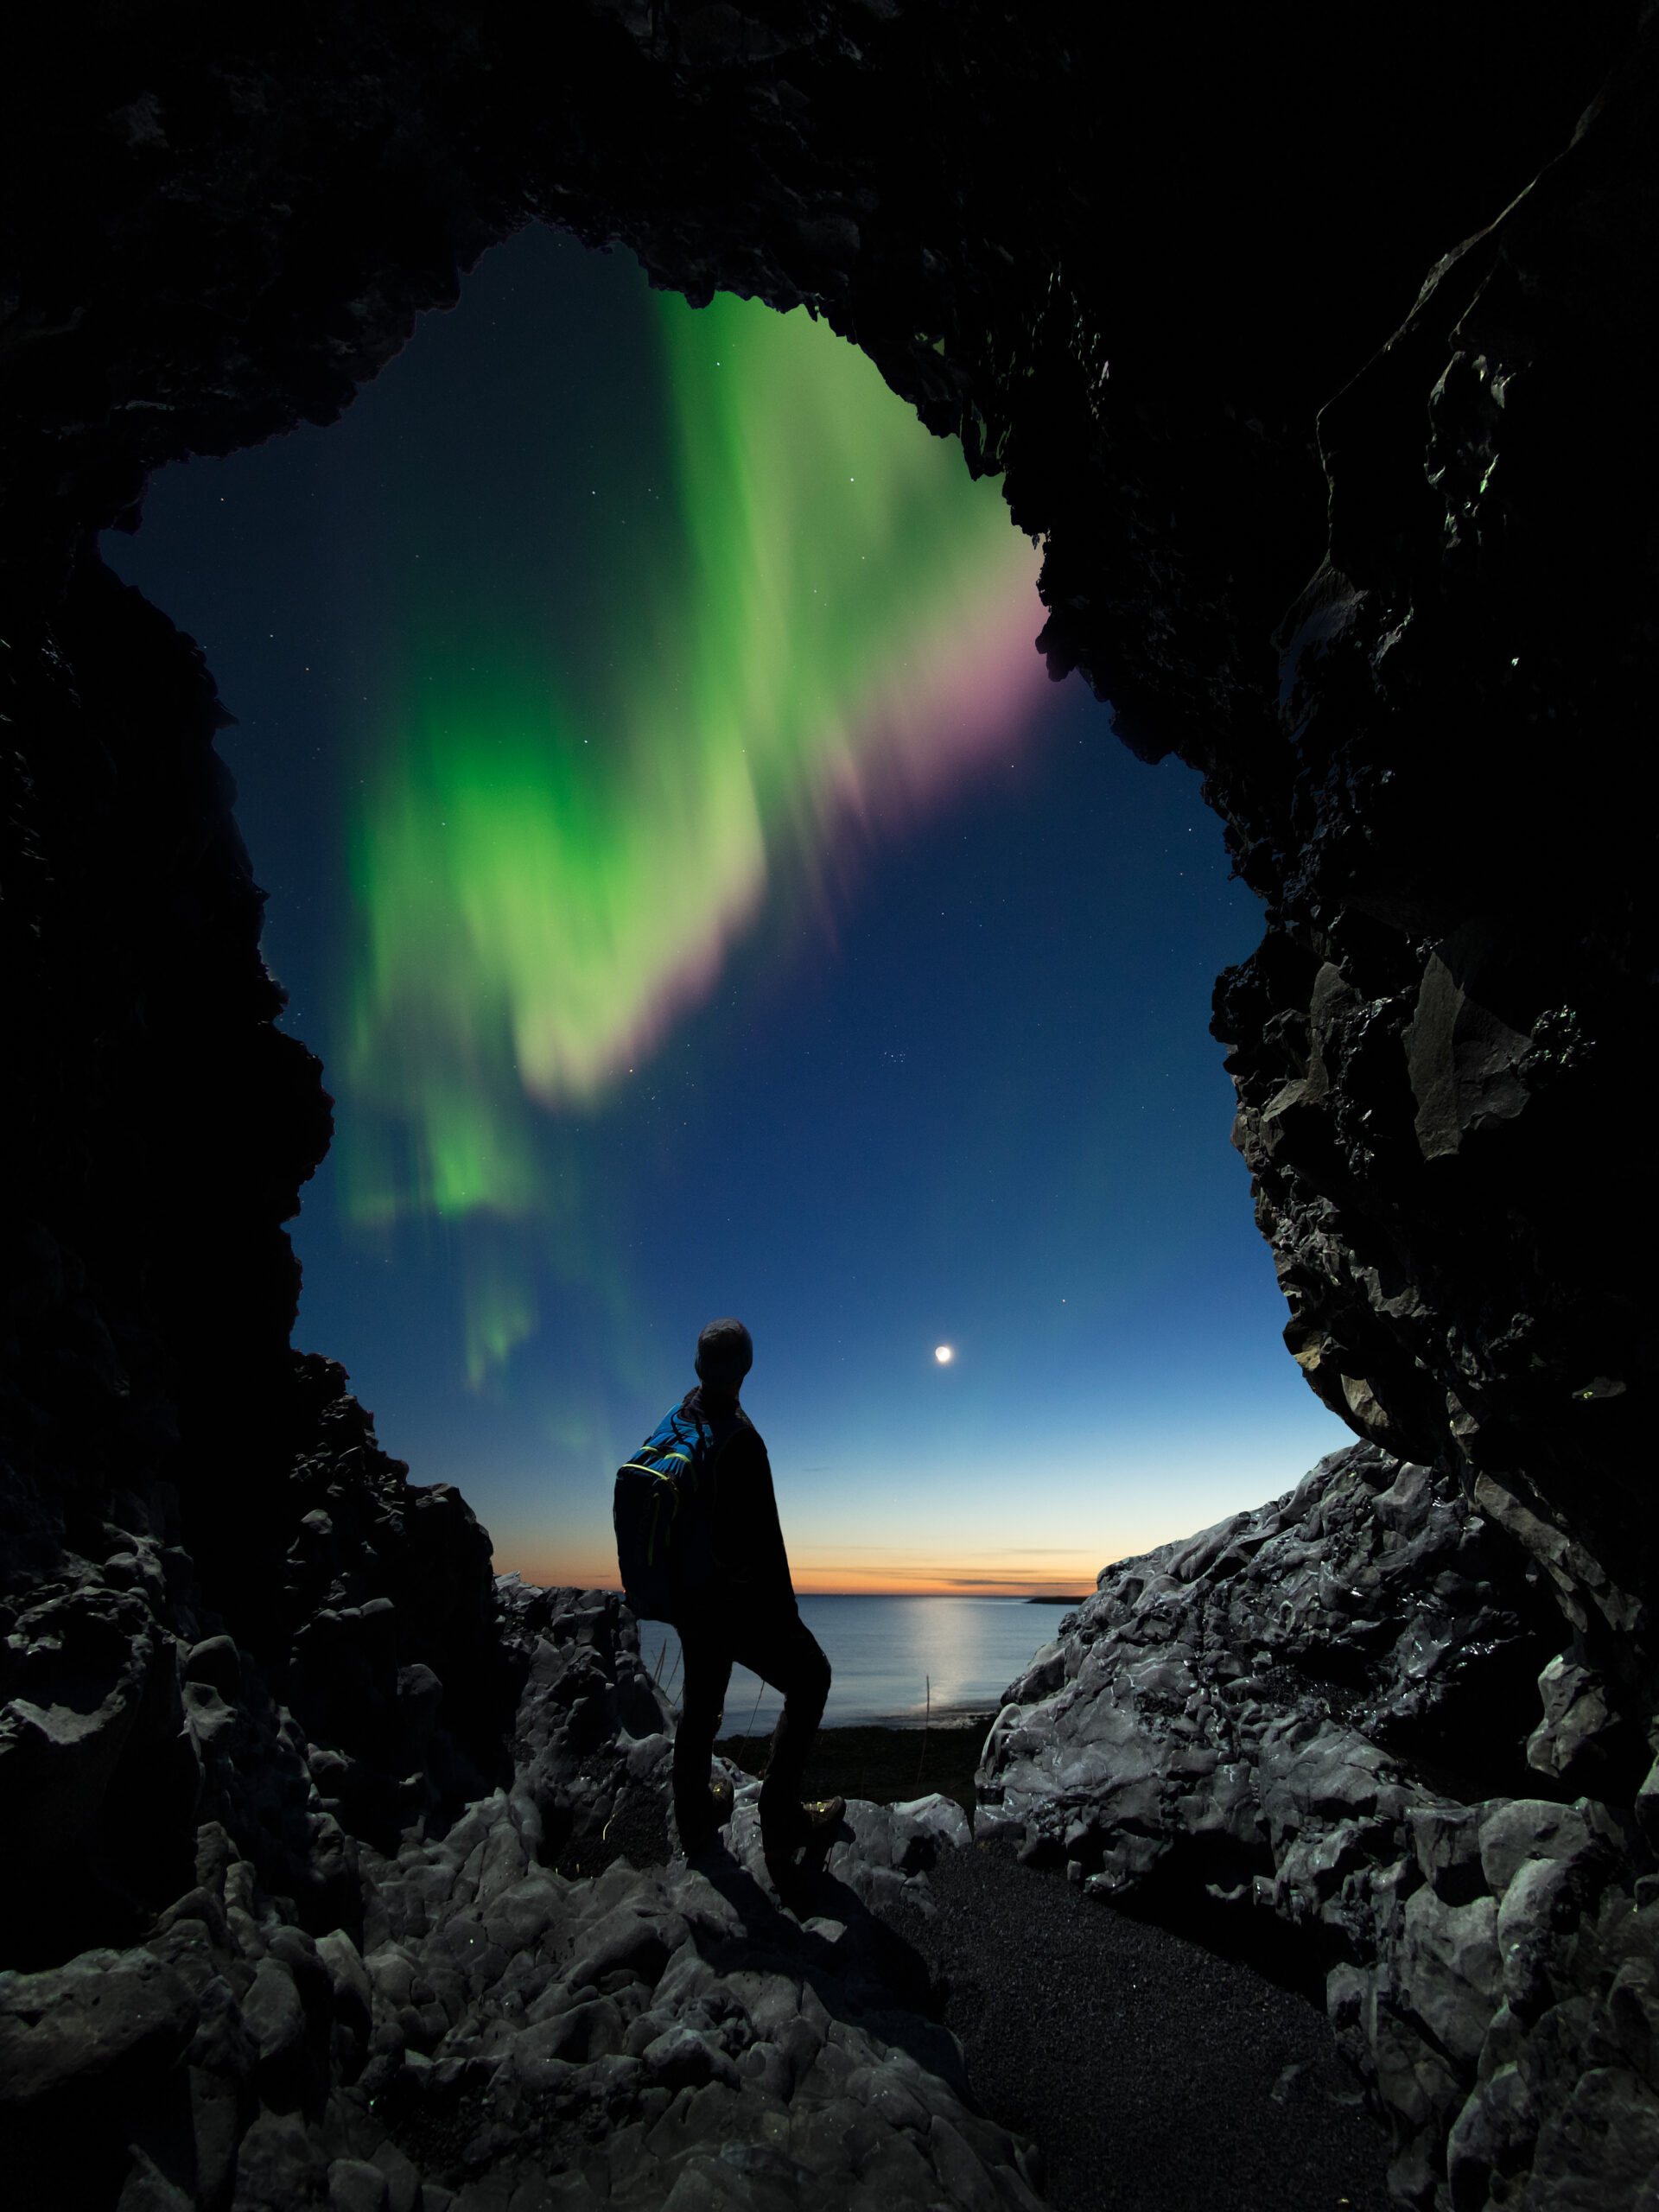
1311 354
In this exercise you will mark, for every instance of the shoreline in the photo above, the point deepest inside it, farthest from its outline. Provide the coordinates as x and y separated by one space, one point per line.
961 1721
887 1762
957 1720
945 1720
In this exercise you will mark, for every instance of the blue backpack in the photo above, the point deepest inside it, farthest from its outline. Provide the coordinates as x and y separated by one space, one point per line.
661 1515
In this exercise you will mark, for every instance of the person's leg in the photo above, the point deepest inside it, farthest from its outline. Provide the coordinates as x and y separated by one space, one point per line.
707 1665
784 1652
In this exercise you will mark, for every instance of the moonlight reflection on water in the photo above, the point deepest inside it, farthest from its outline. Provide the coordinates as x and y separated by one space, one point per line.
885 1651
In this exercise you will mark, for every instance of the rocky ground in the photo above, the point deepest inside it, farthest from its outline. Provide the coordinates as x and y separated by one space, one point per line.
489 2032
1266 1733
308 1938
540 2004
1262 1738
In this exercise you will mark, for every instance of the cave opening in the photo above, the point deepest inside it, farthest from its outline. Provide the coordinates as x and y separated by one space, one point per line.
1312 369
901 1027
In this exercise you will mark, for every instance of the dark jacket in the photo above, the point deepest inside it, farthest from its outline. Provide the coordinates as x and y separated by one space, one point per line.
751 1565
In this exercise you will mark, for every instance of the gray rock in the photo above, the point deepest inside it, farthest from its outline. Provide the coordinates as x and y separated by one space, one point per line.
1631 2024
1448 1963
403 2178
625 1941
922 1827
356 2186
646 1756
1492 2135
216 1663
581 2032
223 2043
1579 1715
1529 1828
82 2019
520 1915
83 1665
348 1978
681 2059
147 2188
280 2167
1245 1706
212 1721
272 2010
1598 2145
1446 1840
962 2173
1540 1907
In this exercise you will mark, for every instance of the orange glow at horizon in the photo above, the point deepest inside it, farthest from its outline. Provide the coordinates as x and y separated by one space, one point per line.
824 1576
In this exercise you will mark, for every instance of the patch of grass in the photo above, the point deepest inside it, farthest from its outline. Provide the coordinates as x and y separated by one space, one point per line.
886 1765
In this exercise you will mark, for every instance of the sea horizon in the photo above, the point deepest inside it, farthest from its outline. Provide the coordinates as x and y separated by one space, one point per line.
988 1597
897 1659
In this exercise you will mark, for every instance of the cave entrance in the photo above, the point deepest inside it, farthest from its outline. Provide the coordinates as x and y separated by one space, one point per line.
700 900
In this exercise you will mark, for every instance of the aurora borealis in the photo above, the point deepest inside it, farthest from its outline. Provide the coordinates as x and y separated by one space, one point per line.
703 903
548 871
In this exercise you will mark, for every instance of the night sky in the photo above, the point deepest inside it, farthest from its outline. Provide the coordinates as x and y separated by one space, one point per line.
702 903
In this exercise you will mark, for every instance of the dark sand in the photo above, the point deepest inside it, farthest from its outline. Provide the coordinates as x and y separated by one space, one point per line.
1154 2075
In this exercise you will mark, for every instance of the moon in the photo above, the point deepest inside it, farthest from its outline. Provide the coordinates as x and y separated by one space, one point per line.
944 1355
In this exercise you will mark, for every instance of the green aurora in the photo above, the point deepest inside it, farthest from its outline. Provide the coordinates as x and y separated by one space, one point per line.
562 828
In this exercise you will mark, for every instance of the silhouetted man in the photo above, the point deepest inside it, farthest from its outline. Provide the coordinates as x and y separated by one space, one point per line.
744 1613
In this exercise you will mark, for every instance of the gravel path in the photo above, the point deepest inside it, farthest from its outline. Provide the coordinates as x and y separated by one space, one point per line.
1155 2076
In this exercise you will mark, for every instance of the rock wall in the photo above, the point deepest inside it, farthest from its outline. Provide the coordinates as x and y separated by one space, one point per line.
1433 1045
1312 1734
135 1711
1165 283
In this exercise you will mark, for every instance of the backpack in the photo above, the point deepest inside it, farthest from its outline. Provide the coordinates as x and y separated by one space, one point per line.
661 1515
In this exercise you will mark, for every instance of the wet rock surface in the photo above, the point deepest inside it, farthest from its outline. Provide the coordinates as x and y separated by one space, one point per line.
1255 1734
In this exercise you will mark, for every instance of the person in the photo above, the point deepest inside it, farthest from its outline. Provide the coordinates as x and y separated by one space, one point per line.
743 1612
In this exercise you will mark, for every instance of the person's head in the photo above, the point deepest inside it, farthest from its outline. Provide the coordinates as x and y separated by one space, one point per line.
725 1355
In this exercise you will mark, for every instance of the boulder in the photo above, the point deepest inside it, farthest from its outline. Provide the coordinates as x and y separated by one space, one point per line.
1247 1733
81 2021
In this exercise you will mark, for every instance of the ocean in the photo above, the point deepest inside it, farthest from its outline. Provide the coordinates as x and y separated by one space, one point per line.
885 1652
